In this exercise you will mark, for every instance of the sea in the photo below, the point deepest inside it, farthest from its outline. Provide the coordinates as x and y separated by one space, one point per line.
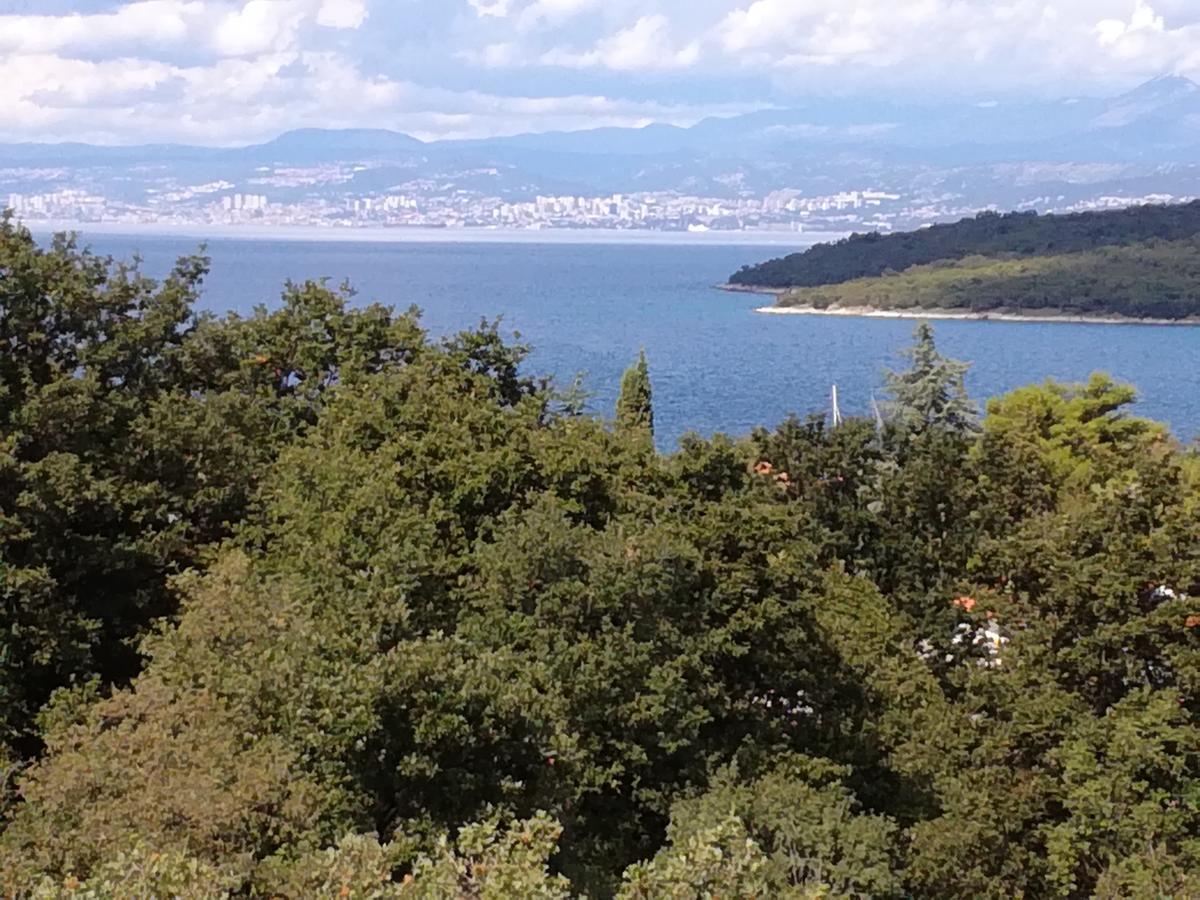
588 306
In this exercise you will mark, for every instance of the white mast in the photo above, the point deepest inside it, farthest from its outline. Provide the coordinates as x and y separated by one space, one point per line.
878 414
837 412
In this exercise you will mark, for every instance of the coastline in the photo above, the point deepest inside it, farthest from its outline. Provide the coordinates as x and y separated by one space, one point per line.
787 240
868 312
998 315
752 289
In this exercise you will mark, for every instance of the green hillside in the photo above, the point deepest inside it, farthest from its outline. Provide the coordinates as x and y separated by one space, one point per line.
1159 280
987 234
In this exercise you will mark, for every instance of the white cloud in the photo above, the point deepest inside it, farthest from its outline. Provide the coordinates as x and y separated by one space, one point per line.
495 56
258 27
224 27
233 99
855 29
1145 36
1014 43
494 8
645 45
242 99
228 70
51 82
557 10
761 23
154 21
344 14
1143 19
1146 42
532 12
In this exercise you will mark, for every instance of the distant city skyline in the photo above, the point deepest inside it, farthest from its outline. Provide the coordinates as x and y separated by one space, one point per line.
229 72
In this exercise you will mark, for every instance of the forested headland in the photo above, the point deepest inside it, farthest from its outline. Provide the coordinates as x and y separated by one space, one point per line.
1136 263
1159 280
308 603
985 234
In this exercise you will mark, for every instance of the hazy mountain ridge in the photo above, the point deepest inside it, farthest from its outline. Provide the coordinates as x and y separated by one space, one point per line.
942 159
1170 100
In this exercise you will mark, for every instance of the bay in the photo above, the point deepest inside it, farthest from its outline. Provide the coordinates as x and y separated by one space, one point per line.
716 365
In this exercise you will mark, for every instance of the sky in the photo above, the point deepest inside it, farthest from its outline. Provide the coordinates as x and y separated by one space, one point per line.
227 72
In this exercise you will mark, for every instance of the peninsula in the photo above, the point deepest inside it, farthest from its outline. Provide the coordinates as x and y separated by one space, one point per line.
1135 265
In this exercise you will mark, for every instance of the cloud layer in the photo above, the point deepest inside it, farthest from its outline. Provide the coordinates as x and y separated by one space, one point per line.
231 71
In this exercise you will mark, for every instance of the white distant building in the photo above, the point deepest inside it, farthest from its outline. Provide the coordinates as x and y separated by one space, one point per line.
243 203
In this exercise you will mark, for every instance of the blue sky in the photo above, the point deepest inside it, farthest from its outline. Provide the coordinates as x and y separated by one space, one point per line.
237 71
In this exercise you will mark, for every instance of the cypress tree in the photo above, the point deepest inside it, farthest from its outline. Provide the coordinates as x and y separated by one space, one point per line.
635 410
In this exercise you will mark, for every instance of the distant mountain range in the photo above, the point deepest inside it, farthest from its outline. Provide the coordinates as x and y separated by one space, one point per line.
984 154
1161 116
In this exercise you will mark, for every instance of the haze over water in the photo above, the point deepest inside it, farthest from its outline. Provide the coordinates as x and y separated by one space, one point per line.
715 364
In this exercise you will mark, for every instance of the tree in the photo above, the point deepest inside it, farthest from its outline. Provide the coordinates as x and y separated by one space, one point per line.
986 235
635 410
931 392
134 432
808 825
443 607
432 632
721 860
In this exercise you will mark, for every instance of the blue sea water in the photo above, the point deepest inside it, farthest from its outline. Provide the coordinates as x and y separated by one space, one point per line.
716 365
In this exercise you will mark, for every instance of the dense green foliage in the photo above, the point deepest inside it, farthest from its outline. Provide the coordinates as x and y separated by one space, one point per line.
987 234
454 639
1160 280
133 433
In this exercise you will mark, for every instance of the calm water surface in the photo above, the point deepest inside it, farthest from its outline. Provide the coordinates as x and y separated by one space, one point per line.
716 365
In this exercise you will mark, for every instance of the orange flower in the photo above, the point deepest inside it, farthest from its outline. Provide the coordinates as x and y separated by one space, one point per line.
1192 622
784 480
967 604
764 468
